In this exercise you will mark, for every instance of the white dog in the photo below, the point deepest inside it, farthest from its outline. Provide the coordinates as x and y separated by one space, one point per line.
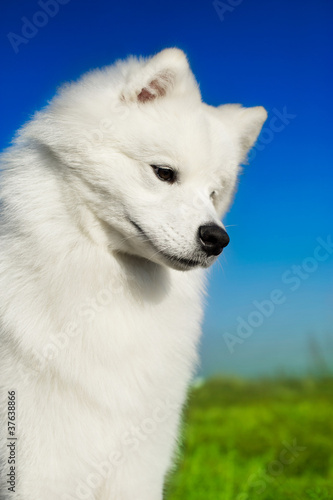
111 203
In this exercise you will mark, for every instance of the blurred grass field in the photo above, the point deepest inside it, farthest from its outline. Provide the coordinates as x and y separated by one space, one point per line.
265 440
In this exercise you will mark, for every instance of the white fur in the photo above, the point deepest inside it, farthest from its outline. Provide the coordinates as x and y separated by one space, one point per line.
99 330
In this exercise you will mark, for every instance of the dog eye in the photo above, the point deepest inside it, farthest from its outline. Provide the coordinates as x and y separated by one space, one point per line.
165 174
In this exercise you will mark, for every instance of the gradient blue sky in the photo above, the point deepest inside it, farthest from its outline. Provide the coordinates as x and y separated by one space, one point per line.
276 54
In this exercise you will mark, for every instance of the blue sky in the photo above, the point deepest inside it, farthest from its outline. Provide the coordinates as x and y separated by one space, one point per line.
276 54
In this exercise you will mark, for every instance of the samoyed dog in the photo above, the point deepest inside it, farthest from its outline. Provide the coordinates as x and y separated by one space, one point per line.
111 201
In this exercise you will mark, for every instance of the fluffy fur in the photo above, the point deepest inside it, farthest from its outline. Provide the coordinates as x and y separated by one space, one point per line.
100 321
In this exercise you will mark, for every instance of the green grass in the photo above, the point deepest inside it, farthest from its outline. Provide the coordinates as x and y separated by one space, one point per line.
237 435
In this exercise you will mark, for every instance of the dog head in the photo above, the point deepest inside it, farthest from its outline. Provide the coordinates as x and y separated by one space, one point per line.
155 165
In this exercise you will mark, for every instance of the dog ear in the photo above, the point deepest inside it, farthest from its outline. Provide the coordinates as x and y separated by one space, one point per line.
246 122
167 72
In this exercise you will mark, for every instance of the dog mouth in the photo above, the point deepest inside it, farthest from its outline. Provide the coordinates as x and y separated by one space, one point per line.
178 262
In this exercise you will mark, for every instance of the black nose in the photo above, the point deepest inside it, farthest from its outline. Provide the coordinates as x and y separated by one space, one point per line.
213 239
